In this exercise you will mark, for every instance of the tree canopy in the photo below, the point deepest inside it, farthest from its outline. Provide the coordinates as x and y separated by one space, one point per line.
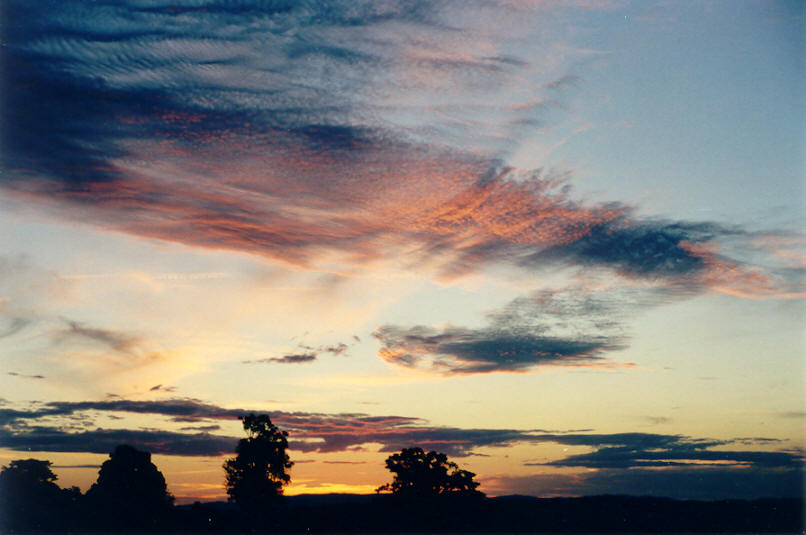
30 497
130 477
418 474
28 474
259 470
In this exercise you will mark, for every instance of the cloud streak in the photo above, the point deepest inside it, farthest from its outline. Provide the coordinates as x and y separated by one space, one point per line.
285 359
25 376
307 354
685 483
326 433
115 340
41 438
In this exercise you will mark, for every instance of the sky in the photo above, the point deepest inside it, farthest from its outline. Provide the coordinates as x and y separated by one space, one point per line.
561 242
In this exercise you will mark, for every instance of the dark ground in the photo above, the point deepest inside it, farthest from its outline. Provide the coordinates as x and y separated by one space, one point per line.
310 514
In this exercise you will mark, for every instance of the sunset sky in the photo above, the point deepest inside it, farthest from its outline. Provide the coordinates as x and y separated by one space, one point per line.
562 242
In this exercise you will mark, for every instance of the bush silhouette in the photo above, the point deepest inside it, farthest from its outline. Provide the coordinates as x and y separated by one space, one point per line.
422 475
255 477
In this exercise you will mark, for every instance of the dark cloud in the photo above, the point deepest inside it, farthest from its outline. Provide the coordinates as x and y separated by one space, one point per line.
752 441
15 374
8 416
632 441
309 431
460 350
336 349
285 359
309 354
637 450
182 407
40 438
568 327
692 483
647 250
160 388
625 457
341 432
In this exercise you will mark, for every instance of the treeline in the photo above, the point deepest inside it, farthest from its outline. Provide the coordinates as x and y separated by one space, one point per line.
427 493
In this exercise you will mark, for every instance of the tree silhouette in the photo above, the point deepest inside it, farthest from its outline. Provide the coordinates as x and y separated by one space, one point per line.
422 475
255 477
130 490
29 496
28 474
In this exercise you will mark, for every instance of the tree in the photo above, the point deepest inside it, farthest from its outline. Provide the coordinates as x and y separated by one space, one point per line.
29 496
130 490
130 476
422 475
28 474
257 474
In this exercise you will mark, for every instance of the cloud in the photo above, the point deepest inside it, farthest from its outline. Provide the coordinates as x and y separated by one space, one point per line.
25 290
13 326
116 340
173 123
658 420
566 327
160 388
106 351
646 450
202 428
310 354
458 350
309 431
40 438
8 416
687 483
680 455
324 433
285 359
337 349
793 414
15 374
649 249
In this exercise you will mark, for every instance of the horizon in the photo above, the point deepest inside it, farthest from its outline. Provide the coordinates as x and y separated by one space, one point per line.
561 242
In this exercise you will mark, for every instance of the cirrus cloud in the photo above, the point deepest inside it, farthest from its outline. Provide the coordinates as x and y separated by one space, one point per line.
173 122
